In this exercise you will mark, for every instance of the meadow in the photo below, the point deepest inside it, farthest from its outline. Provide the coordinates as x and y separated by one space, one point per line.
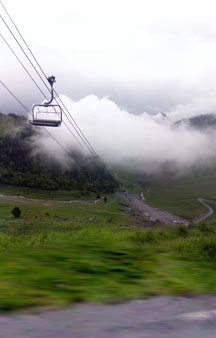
57 254
175 194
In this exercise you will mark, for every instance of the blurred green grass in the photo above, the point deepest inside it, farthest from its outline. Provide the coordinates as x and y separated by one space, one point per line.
63 253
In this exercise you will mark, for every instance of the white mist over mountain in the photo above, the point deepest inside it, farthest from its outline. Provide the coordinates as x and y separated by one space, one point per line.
140 142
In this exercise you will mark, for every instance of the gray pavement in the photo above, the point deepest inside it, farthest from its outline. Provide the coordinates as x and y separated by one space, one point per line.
141 207
206 214
157 317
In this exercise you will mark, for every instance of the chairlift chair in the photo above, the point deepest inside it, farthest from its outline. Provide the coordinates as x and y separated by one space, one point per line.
47 114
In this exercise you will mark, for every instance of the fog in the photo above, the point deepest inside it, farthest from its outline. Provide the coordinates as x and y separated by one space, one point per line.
141 142
145 55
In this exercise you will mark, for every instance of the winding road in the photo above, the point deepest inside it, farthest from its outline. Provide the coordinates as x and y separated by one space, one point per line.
132 199
144 209
205 215
163 216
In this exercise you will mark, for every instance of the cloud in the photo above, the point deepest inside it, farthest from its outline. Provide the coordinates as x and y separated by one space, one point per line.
200 106
145 55
139 142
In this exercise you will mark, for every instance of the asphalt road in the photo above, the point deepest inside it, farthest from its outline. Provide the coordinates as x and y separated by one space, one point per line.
158 317
143 208
205 215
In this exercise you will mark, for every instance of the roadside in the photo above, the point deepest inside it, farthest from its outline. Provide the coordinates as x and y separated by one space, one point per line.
161 317
151 212
137 203
205 215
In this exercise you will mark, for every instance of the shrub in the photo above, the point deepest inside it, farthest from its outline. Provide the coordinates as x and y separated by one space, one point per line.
205 227
208 249
147 236
182 231
16 212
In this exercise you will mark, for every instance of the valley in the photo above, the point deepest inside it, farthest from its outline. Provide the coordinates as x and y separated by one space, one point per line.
86 236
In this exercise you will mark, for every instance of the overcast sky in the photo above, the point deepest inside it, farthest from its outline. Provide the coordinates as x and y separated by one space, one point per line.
145 55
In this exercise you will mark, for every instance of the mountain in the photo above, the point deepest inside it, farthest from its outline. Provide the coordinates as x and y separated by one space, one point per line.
204 121
18 165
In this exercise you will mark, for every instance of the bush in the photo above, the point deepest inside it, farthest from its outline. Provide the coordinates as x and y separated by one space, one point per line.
182 231
208 249
16 212
147 236
205 227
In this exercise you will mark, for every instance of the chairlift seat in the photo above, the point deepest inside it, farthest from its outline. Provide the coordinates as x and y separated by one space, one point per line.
45 123
46 115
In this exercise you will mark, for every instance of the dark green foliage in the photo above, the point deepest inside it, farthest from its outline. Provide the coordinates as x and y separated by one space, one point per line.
182 231
105 199
208 249
16 212
19 167
144 237
206 227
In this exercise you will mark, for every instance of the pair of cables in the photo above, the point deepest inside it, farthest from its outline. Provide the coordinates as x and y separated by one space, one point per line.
79 137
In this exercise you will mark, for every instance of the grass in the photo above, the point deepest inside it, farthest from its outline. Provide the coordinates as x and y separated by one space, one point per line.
55 255
58 253
177 195
46 194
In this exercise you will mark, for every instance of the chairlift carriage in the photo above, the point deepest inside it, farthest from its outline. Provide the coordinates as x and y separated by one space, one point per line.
47 114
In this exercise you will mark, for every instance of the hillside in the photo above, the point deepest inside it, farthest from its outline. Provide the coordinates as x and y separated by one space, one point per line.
201 122
18 165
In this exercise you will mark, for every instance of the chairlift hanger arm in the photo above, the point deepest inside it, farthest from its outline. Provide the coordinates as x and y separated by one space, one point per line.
51 80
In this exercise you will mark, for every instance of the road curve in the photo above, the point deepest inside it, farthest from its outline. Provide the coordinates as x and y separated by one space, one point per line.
145 209
205 215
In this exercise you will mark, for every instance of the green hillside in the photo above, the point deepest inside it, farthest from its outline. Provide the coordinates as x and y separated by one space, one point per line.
19 167
8 122
175 194
59 253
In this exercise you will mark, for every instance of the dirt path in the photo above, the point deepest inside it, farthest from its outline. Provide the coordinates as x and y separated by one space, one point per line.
157 317
205 215
45 202
52 203
132 199
145 209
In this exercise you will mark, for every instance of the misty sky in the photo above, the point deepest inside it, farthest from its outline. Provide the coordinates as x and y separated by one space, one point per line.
146 56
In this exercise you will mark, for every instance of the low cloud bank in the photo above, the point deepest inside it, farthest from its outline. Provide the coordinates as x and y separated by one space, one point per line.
139 142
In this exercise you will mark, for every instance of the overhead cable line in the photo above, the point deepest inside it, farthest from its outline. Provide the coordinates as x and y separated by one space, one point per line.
16 98
26 70
76 127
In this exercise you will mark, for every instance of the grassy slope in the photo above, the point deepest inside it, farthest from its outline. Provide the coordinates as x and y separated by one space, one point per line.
45 194
55 255
179 195
176 195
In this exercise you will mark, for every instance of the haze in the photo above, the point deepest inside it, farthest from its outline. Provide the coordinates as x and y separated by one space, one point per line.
147 56
117 64
141 142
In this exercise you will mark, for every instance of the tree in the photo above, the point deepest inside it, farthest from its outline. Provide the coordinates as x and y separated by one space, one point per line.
16 212
105 199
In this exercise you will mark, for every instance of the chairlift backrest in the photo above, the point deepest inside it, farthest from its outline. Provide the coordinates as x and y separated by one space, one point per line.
47 114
